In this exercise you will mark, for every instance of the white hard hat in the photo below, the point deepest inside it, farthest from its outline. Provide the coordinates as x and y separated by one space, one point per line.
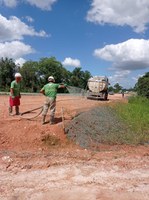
51 78
18 75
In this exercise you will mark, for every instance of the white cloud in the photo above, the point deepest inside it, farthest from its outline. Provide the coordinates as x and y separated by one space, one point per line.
15 49
119 77
133 13
15 29
135 78
20 61
29 19
71 62
9 3
131 55
42 4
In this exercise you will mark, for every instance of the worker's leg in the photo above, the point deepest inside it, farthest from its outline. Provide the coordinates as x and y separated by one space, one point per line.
45 109
17 110
52 110
10 105
10 110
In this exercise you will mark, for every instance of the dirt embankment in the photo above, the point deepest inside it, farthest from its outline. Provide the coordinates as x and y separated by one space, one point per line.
38 162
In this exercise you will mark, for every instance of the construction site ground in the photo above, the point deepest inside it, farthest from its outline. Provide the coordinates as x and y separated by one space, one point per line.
38 162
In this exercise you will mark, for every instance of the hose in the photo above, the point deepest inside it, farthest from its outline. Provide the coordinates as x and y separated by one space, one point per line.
29 111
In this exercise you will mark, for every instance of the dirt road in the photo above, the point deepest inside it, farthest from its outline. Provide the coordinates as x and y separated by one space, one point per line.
38 162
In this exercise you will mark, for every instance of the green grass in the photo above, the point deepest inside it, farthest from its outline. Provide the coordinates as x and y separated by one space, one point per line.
136 115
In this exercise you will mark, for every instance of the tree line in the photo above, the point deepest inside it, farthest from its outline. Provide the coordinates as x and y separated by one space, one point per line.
35 74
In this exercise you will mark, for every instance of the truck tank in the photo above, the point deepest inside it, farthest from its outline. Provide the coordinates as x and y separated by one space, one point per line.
98 87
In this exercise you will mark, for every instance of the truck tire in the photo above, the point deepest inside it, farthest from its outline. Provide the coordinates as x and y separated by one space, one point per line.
106 96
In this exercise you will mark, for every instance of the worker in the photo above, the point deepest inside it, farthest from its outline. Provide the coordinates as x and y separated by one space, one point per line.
14 99
50 91
122 94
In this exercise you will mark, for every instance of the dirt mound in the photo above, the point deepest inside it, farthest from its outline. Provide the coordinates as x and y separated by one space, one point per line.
95 126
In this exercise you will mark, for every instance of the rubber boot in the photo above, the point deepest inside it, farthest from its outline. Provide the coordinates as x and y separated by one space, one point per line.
17 110
10 111
43 119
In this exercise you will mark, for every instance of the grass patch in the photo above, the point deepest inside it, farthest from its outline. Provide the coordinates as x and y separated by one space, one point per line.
136 116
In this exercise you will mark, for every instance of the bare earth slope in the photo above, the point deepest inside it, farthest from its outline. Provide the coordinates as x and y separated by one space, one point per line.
38 162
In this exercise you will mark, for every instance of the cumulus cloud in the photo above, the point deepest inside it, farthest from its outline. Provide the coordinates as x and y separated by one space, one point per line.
20 61
15 49
9 3
131 55
71 62
44 5
14 29
133 13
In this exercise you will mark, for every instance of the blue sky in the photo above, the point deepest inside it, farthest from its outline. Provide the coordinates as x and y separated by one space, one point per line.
104 37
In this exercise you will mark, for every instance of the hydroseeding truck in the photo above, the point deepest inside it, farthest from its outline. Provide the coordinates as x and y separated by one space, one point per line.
98 87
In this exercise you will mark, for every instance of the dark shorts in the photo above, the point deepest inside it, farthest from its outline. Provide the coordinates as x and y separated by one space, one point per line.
14 101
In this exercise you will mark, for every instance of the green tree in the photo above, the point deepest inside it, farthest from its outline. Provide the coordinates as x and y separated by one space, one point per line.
7 71
142 86
117 88
52 67
29 72
79 78
35 74
110 89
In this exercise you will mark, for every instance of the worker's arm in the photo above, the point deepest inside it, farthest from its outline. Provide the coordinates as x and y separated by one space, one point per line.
42 91
12 92
12 89
62 86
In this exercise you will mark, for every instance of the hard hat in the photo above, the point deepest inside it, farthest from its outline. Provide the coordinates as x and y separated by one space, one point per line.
18 75
51 78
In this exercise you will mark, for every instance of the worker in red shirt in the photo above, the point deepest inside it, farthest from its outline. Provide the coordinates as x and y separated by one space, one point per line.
14 99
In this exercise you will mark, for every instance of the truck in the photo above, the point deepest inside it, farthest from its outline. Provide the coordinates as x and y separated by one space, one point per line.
98 88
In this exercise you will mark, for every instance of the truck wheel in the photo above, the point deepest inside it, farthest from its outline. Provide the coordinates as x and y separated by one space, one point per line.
105 96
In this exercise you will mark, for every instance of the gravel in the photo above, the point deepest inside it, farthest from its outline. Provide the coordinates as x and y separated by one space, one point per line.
99 125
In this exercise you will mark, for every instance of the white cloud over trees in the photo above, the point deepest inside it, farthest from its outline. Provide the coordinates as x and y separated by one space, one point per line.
70 62
125 57
20 61
129 55
15 49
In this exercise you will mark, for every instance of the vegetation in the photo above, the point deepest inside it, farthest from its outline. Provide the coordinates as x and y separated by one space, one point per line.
142 86
7 70
136 115
116 88
35 74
